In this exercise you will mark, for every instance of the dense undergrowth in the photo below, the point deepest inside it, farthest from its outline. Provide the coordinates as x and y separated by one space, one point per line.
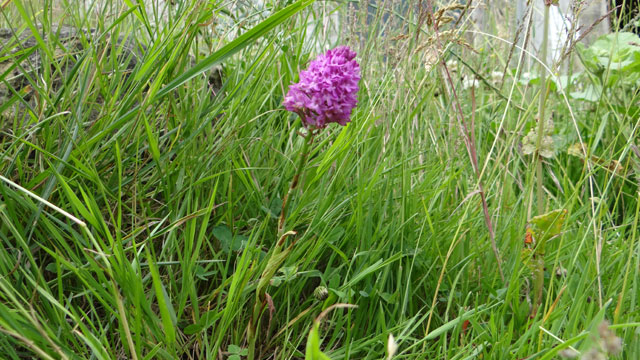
137 206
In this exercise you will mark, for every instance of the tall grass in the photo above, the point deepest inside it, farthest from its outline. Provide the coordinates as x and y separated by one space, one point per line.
137 206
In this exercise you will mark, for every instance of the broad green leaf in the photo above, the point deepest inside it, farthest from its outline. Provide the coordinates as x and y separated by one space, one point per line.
549 224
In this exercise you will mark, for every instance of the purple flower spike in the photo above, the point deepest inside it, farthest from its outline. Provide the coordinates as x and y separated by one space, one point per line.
326 92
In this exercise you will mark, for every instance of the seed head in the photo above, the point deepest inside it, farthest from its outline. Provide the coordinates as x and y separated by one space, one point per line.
321 293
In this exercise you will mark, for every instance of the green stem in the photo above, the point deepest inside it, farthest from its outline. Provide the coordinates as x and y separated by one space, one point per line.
538 282
294 182
261 300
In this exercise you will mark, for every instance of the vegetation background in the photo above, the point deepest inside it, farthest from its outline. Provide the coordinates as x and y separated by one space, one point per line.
137 205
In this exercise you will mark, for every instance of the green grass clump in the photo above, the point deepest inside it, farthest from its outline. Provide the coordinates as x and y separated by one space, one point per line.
138 205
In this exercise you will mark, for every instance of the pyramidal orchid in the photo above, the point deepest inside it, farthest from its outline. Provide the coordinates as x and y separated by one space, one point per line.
326 93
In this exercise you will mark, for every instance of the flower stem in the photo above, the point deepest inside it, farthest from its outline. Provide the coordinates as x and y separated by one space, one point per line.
294 182
538 281
276 258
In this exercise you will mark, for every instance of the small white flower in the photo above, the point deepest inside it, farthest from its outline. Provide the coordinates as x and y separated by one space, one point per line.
467 83
392 347
496 75
452 65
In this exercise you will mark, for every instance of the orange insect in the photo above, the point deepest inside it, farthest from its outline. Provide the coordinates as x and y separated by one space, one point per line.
528 237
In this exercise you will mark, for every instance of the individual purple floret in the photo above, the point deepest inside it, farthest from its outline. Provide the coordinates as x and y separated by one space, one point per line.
326 92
